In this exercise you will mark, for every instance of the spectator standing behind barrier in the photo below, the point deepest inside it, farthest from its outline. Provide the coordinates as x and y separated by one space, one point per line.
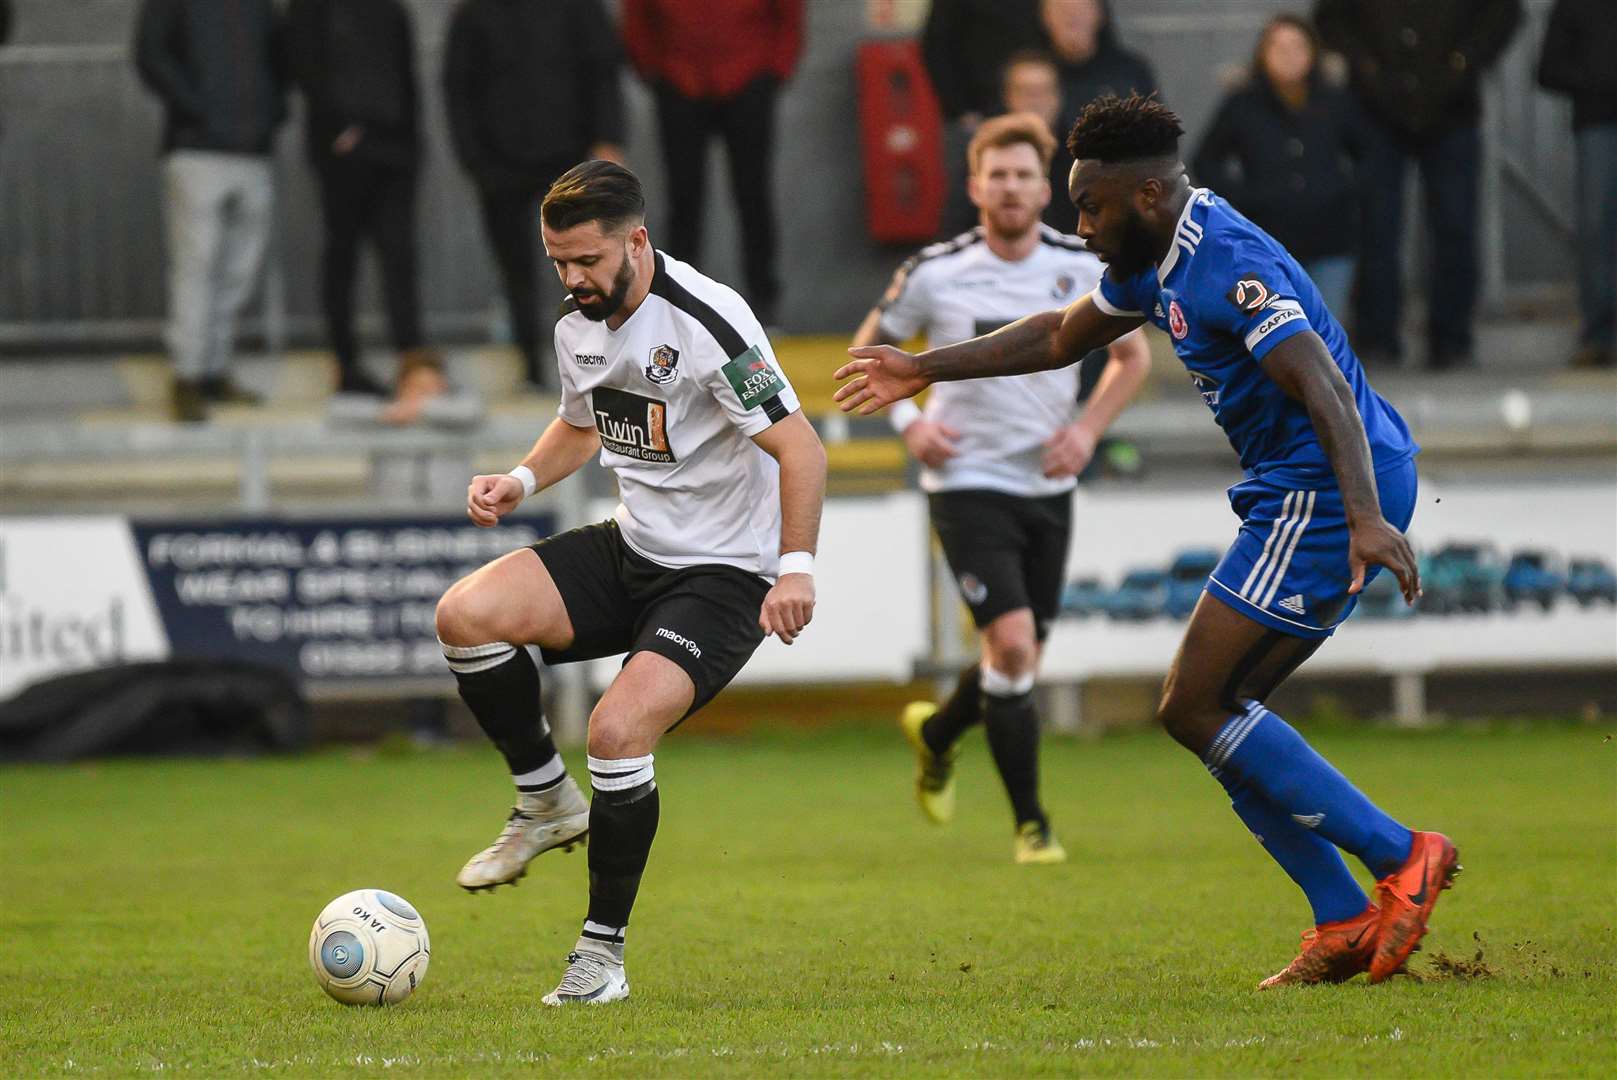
965 45
1416 68
1033 85
1580 60
532 88
1282 148
716 67
1091 61
355 62
220 70
1088 63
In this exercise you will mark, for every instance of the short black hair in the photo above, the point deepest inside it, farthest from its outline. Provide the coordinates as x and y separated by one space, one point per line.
594 191
1134 128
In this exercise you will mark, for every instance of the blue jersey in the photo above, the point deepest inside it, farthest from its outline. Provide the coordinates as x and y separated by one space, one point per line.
1227 293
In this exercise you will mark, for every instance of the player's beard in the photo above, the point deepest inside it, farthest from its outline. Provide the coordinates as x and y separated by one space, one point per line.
608 304
1135 250
1012 224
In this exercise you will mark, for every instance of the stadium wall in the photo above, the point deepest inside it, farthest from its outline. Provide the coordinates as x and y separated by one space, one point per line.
345 606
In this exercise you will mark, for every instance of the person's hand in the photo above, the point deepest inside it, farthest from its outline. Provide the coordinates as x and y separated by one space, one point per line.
345 143
607 151
879 376
489 498
1068 451
788 608
1377 543
930 443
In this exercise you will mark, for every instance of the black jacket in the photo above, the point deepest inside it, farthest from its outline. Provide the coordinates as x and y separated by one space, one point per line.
220 68
529 85
965 44
1580 59
1416 63
354 60
1111 70
1291 172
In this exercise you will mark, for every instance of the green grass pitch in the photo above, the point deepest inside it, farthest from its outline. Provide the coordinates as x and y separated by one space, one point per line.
800 918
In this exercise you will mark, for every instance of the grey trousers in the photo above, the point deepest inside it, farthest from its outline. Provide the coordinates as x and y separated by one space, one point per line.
218 209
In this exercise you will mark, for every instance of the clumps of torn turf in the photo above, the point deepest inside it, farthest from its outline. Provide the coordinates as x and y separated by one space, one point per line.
1444 966
1527 955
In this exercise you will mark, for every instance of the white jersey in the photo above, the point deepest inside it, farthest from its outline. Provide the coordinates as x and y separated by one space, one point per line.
676 394
960 289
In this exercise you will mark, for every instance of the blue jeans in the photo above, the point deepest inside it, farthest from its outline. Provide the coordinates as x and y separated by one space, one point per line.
1597 233
1333 277
1450 164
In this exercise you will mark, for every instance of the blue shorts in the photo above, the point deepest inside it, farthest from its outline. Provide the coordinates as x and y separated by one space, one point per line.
1288 568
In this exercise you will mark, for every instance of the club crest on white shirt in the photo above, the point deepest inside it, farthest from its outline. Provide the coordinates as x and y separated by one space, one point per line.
664 365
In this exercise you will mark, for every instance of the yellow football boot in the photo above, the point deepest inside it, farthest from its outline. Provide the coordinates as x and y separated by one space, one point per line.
1037 846
934 773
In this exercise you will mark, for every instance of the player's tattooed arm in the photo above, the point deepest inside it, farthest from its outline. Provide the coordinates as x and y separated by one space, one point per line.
880 374
1302 366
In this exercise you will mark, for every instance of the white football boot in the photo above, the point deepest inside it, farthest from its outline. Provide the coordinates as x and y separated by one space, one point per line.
559 817
594 975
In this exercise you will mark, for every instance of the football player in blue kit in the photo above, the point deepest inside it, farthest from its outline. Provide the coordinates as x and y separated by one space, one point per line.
1329 489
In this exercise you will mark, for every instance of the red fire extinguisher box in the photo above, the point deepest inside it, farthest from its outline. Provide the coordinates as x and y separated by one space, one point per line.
901 135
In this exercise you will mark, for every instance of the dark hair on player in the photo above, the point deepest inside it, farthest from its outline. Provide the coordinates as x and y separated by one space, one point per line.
1113 129
594 191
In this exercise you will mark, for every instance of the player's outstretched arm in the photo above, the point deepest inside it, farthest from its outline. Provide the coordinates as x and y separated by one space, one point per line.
930 442
789 606
561 450
880 375
1303 368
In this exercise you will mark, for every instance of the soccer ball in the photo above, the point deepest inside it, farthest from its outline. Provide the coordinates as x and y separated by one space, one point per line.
369 947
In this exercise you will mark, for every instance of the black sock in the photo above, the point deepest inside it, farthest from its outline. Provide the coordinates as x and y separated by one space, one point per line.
1013 736
623 822
500 684
963 709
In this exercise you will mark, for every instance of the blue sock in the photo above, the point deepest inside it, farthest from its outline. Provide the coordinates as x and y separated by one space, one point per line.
1307 857
1258 748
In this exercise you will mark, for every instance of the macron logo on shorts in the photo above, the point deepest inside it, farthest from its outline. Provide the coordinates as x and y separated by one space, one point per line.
679 639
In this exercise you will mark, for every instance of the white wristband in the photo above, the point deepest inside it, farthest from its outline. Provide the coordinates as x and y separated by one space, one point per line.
530 483
797 562
903 414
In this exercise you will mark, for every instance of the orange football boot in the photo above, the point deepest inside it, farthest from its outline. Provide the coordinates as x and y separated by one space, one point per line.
1332 952
1406 898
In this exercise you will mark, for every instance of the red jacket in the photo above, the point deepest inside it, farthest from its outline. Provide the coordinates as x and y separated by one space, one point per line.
712 48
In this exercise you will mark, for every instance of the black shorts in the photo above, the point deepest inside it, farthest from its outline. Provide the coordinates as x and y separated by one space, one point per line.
703 618
1006 551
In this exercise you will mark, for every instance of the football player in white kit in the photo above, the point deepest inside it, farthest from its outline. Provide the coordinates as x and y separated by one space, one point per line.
668 376
1000 458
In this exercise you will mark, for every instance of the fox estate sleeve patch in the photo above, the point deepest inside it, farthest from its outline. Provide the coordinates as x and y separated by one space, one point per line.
753 379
